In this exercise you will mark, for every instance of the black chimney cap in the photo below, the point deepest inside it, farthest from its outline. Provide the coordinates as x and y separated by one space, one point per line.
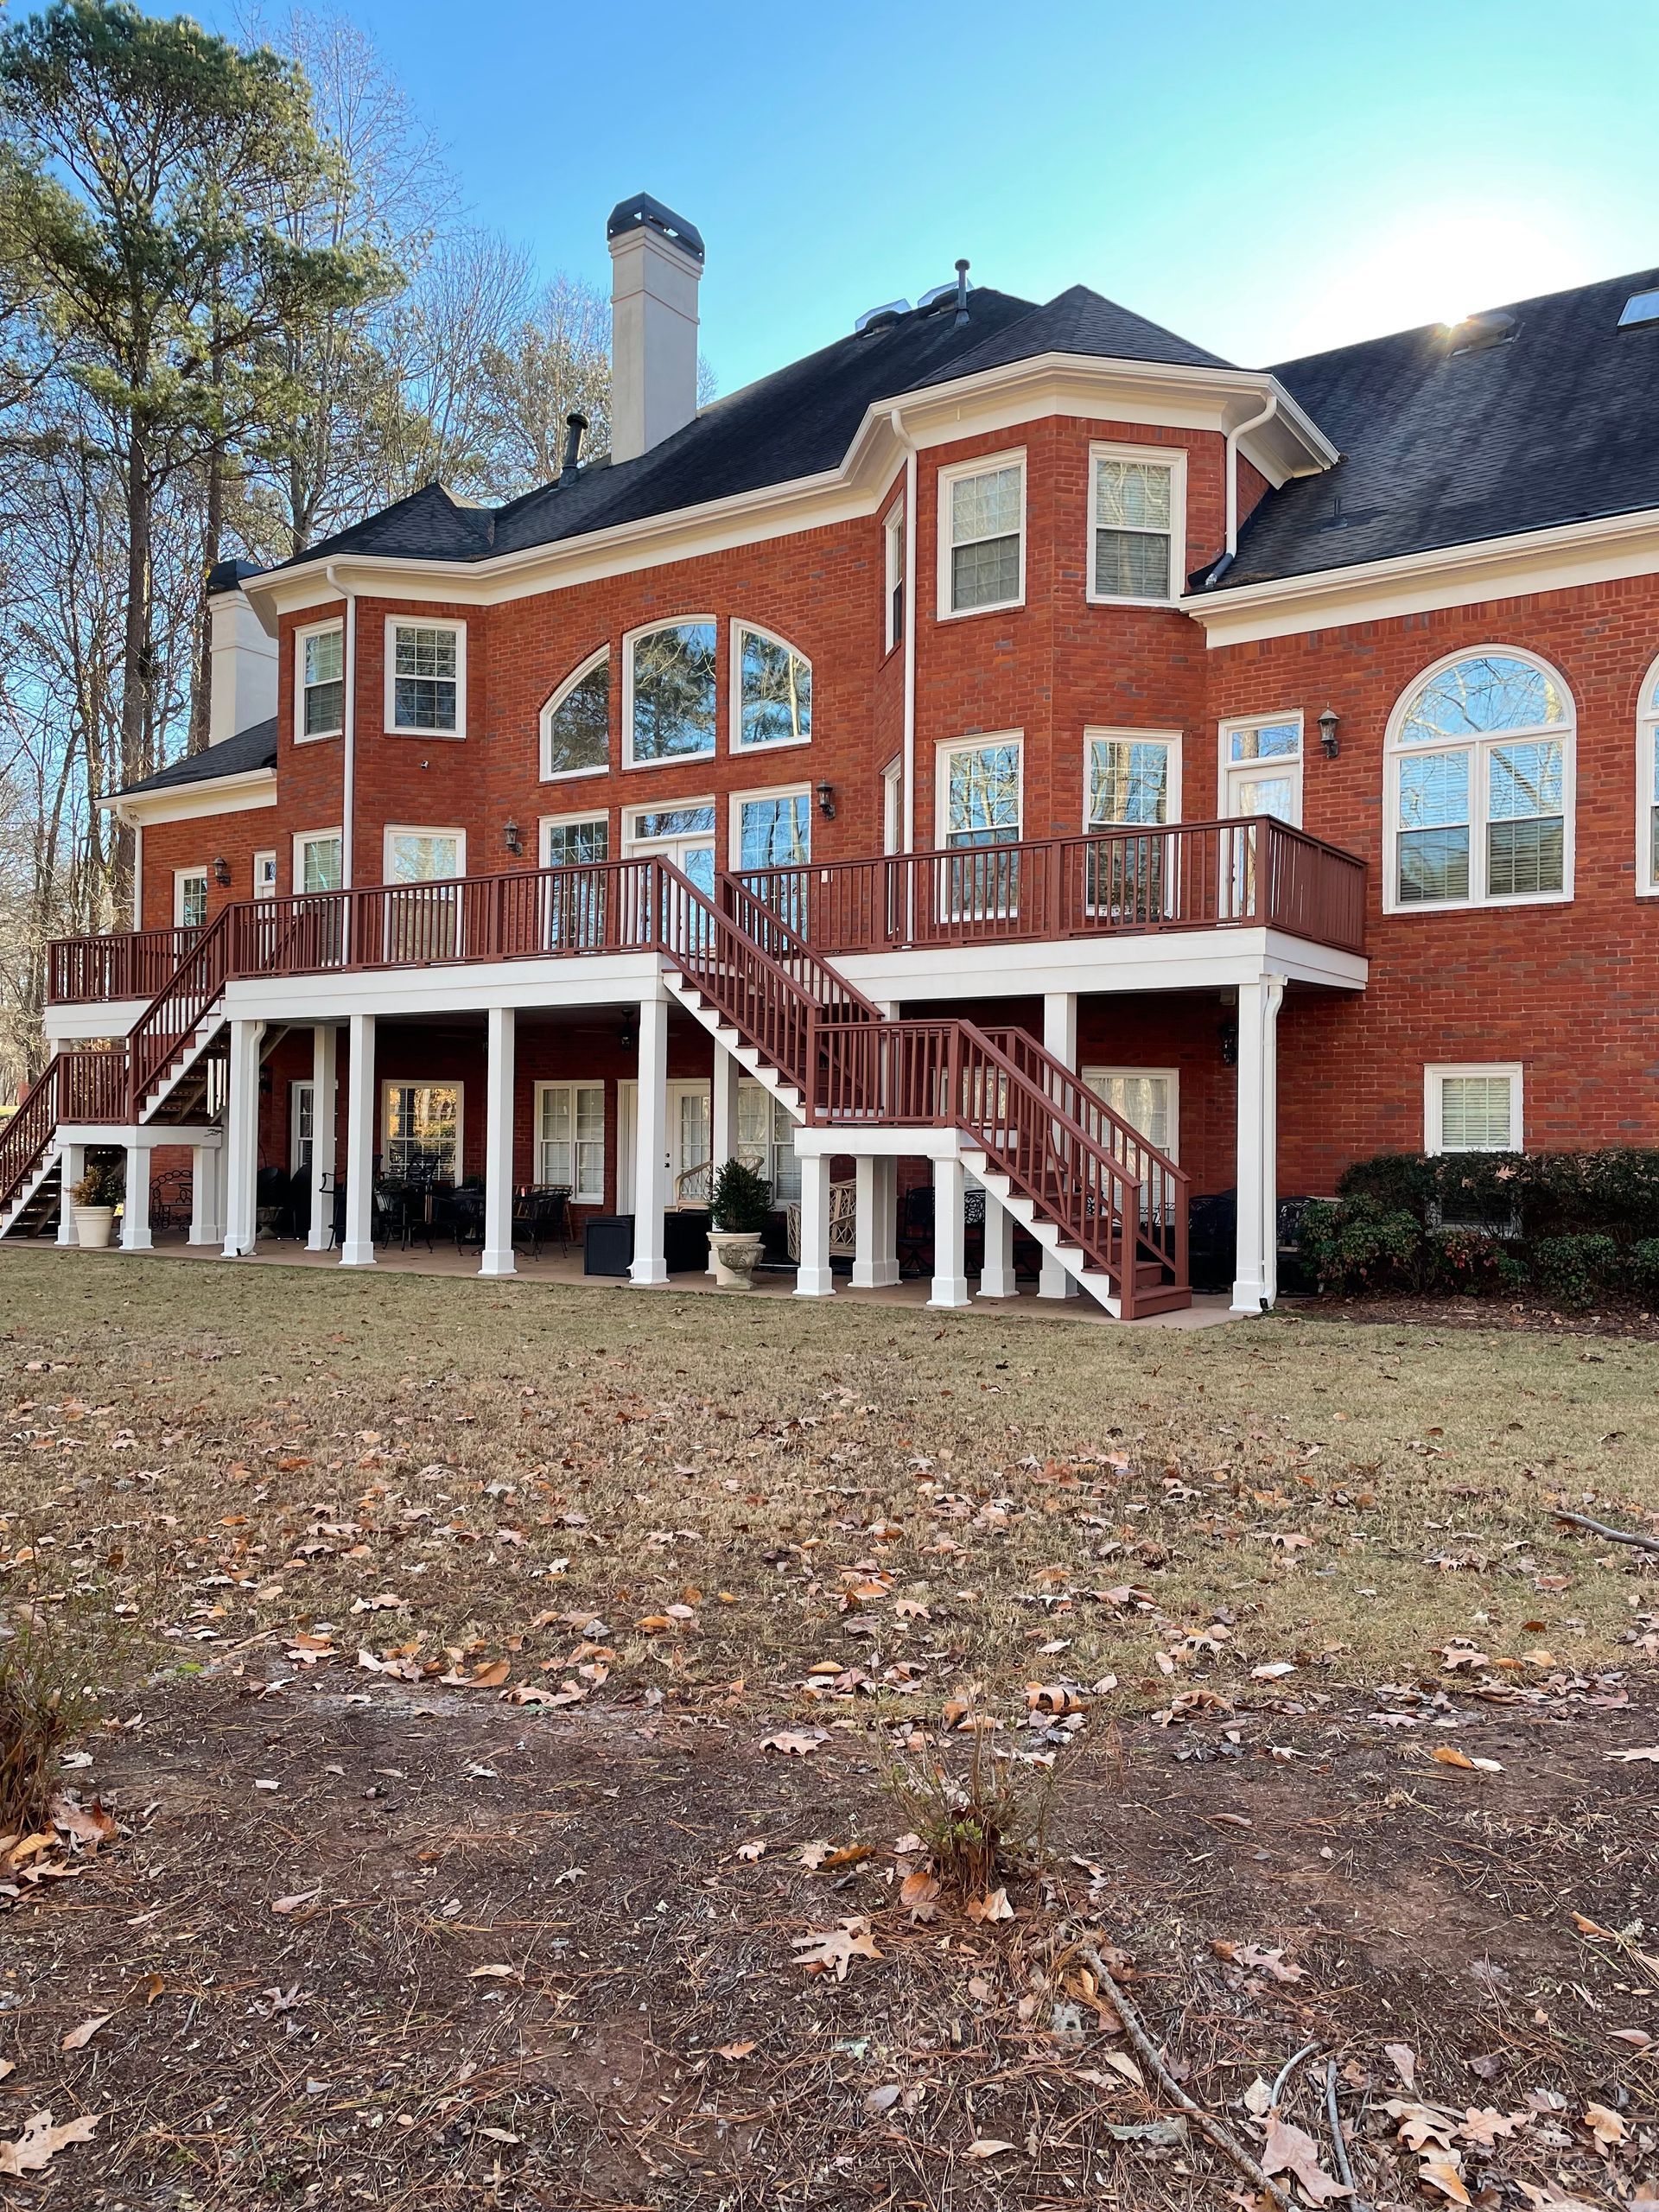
227 575
642 211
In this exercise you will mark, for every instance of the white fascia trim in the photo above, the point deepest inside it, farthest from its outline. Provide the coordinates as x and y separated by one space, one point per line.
1023 392
80 1024
1560 558
238 794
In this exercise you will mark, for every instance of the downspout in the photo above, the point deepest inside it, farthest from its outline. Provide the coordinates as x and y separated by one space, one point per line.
1233 437
348 731
907 838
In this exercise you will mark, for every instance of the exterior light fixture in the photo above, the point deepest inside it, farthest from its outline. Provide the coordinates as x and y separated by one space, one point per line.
1228 1036
627 1035
1328 737
221 871
827 800
514 845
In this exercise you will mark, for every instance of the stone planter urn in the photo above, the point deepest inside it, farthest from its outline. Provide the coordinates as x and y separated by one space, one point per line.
736 1253
93 1226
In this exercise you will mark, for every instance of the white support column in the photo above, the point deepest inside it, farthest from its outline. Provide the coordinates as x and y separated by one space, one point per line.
996 1277
728 1073
814 1277
135 1207
651 1144
357 1251
72 1165
241 1140
324 1065
875 1222
949 1235
206 1194
1060 1038
497 1145
1255 1282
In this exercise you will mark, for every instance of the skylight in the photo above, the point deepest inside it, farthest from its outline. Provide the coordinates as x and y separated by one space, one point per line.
1641 306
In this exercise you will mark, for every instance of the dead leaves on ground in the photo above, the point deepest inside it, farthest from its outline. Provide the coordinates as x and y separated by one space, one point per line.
33 2151
833 1951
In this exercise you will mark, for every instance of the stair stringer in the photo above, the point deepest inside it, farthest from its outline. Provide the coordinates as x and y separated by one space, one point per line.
22 1200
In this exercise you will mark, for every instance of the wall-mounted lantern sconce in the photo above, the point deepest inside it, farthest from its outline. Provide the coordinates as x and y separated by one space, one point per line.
626 1037
1328 737
222 871
1227 1035
514 844
827 800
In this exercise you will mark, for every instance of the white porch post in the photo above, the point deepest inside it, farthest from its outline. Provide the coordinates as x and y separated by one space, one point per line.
1256 1282
324 1059
1060 1038
357 1251
206 1194
996 1276
72 1165
651 1144
949 1286
728 1073
497 1145
814 1277
241 1140
875 1222
135 1209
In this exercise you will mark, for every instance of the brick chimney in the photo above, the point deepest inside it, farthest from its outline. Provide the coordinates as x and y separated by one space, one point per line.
656 266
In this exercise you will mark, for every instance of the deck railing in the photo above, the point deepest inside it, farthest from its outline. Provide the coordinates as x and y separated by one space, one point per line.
76 1086
125 964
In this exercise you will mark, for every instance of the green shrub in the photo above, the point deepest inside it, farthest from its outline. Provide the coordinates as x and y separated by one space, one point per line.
1394 1182
1574 1271
103 1182
1356 1246
741 1199
1469 1263
1644 1268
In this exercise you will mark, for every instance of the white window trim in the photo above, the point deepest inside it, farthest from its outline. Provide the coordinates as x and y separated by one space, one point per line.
1647 747
578 677
578 1196
302 839
943 756
986 465
394 829
734 744
892 806
393 728
634 844
892 570
392 1083
630 639
316 630
1294 766
299 1083
1171 740
1174 460
200 873
734 806
1434 1073
1394 752
270 853
569 822
1171 1076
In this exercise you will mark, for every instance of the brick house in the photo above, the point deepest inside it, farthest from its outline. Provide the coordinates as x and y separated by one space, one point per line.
1011 750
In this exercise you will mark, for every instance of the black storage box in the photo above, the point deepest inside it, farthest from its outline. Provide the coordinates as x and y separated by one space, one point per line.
608 1244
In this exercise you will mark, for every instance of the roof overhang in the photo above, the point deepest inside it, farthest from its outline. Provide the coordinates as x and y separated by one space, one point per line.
1288 444
237 794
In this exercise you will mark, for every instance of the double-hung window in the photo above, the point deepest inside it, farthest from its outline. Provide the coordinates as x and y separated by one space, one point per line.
772 684
190 898
570 1139
979 794
1137 525
321 668
317 860
668 709
1480 785
983 535
1647 783
426 678
1144 1097
765 1140
1474 1107
893 565
264 875
421 1127
1133 777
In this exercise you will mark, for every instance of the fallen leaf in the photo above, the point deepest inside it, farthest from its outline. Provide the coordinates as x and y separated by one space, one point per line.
1441 2174
1449 1755
735 2050
1483 2127
792 1743
495 1973
41 2142
833 1951
918 1893
78 2038
1121 2062
1606 2127
1647 1751
1258 2098
1403 2059
988 2147
497 2135
299 1897
1289 2150
883 2098
995 1906
751 1852
1272 1671
1273 1962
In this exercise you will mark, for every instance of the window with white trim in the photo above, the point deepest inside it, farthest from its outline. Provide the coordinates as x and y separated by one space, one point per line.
982 536
189 897
416 856
319 688
892 564
1135 527
668 710
1132 777
570 1139
1261 768
772 690
980 791
1479 797
1148 1099
426 678
302 1125
575 839
264 875
317 860
1475 1107
765 1140
576 721
1646 782
772 828
421 1123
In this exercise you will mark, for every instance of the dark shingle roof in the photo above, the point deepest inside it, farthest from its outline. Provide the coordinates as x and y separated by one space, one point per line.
250 749
1081 321
1559 424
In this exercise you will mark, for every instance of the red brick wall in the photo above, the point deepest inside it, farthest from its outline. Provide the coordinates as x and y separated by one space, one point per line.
232 837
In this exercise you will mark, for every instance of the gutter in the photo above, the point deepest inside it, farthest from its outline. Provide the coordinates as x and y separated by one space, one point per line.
907 840
348 731
1255 423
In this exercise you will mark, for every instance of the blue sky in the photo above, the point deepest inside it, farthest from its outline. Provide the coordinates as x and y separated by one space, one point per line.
1269 180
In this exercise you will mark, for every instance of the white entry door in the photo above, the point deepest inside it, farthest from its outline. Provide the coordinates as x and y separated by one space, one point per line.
690 1122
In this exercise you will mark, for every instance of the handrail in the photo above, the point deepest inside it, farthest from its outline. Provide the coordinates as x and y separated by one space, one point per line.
118 964
172 1016
28 1132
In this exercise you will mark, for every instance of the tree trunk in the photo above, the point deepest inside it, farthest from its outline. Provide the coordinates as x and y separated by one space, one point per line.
213 533
137 672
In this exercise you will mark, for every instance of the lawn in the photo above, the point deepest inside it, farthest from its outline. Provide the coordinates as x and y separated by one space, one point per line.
595 1614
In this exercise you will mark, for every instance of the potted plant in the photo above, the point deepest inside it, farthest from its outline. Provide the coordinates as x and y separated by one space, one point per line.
94 1200
738 1209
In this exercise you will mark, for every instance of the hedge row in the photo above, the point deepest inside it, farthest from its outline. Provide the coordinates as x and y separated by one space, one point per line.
1574 1227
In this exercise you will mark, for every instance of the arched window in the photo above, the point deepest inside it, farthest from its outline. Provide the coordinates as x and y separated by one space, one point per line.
1479 802
772 690
576 721
1646 782
668 710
